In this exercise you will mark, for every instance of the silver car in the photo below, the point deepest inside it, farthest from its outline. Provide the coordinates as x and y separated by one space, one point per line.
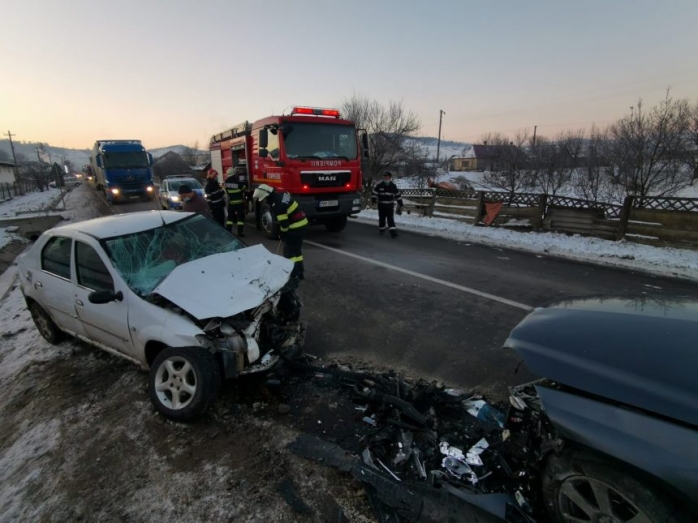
172 292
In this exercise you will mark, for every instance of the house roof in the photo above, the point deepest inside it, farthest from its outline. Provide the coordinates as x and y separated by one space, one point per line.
7 164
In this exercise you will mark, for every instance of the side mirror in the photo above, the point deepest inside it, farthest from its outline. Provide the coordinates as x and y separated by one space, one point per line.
100 297
364 143
263 138
100 161
263 153
150 159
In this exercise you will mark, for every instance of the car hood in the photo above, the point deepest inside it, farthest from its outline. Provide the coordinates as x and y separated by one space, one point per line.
225 284
642 353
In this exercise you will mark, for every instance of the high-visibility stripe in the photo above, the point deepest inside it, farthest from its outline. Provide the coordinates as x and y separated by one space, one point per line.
301 223
296 259
280 217
283 229
235 201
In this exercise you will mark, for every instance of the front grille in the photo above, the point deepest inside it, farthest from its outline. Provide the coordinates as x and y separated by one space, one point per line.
325 179
131 182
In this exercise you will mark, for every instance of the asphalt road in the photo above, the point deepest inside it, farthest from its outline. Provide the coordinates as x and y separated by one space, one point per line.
434 308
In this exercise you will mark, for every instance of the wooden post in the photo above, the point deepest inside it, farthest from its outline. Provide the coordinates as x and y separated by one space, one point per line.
624 217
429 211
542 204
480 207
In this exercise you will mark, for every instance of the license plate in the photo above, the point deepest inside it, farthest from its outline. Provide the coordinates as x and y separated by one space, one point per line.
134 197
329 203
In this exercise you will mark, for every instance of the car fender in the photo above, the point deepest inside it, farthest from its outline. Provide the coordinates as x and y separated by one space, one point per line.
150 322
666 450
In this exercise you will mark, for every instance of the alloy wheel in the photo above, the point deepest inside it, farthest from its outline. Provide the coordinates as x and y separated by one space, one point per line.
585 499
175 383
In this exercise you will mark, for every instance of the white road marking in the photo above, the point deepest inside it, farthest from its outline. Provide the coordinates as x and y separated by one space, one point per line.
428 278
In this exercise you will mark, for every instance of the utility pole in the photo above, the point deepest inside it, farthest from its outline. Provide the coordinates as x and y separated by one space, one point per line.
438 143
535 128
14 158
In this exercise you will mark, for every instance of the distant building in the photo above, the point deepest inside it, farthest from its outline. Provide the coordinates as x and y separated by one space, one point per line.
7 172
482 157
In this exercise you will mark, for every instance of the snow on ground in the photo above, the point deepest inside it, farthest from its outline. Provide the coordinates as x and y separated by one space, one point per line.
656 260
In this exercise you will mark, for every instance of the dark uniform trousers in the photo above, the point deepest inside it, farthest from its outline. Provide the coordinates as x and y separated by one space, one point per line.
235 186
292 225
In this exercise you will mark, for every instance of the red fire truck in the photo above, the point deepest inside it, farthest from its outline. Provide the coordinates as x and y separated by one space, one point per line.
311 153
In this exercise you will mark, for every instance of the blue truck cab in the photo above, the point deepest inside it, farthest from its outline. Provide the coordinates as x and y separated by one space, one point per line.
123 170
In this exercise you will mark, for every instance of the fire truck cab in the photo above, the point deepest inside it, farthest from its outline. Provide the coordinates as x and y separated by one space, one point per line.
310 153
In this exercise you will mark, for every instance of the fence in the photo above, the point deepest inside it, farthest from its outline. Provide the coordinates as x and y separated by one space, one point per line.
24 185
653 221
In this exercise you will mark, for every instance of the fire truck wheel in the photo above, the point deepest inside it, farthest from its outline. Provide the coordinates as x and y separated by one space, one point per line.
269 226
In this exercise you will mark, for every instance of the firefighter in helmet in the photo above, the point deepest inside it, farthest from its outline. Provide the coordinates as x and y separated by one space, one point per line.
292 224
215 196
235 185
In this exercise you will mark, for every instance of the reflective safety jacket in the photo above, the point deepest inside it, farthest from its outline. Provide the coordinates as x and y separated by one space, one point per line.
386 194
235 185
216 195
289 215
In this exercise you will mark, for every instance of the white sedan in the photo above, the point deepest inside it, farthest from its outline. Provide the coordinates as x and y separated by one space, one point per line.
172 292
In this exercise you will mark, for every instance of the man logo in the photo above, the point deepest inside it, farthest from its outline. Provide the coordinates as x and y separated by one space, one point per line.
327 178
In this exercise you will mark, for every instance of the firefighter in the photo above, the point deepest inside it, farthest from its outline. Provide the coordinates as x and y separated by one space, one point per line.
235 185
216 196
386 193
292 224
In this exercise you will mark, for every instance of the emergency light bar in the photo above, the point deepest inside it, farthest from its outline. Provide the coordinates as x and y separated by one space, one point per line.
315 111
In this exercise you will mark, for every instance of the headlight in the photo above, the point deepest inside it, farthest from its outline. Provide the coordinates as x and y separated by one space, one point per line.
357 201
174 198
149 189
115 191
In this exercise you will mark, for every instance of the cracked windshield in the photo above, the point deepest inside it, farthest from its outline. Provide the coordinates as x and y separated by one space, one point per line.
146 258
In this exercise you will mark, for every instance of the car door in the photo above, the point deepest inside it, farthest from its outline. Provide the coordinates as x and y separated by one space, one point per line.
55 290
105 323
163 193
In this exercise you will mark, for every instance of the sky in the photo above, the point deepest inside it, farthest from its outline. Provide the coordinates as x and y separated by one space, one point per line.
176 72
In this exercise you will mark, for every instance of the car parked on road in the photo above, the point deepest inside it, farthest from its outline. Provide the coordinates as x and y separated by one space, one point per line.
619 390
169 190
172 292
68 182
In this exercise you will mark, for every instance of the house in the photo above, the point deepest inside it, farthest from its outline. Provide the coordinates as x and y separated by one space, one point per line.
483 157
7 172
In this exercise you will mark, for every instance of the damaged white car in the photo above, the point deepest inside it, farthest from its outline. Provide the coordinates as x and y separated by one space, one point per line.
173 292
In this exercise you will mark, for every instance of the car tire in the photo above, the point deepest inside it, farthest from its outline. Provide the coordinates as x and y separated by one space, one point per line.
45 325
184 382
269 225
578 486
336 224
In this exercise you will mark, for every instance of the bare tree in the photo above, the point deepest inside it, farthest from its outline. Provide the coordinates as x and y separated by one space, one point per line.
553 161
388 129
594 180
169 164
510 162
649 149
190 154
692 145
416 163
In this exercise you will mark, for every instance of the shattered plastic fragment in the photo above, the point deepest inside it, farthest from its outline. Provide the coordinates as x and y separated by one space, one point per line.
482 411
473 456
446 449
517 403
370 421
459 469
